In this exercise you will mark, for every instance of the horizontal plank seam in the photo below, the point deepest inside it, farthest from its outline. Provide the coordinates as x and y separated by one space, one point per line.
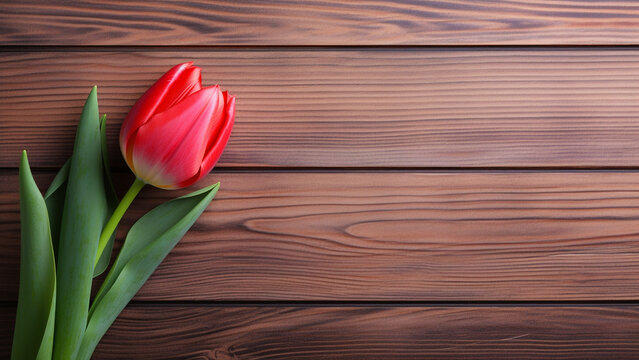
382 169
356 304
213 48
387 303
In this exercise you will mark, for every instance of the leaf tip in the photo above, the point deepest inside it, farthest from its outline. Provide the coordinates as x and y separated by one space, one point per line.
24 160
93 95
213 187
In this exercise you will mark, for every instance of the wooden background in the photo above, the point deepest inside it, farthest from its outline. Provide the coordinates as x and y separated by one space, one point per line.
406 179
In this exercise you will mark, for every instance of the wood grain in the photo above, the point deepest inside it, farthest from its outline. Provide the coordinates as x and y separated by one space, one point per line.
405 108
328 22
200 332
392 236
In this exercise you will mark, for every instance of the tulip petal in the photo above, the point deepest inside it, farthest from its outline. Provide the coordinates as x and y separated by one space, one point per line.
217 141
178 83
169 148
189 82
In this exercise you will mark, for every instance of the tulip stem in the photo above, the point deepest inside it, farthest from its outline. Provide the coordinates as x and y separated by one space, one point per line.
119 211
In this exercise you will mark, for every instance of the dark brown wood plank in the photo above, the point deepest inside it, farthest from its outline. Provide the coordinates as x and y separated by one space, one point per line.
353 108
200 332
392 236
328 22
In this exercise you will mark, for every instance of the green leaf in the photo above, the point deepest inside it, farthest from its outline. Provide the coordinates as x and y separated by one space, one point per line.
148 242
112 200
54 198
55 195
33 334
84 212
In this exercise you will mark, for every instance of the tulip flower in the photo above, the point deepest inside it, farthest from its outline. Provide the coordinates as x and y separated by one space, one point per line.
173 135
171 138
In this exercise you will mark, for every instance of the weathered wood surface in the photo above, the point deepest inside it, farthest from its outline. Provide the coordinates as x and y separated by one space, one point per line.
388 257
392 236
405 108
496 332
329 22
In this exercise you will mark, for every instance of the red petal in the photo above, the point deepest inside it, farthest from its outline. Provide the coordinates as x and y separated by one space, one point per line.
217 141
189 82
179 82
169 148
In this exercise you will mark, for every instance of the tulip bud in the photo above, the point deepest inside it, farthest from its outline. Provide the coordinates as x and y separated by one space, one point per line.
177 130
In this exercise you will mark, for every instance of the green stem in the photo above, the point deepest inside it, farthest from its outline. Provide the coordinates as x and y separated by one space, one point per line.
119 211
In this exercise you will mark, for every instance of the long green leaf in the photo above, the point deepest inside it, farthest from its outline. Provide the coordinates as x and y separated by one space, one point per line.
112 200
54 198
148 242
55 195
82 221
33 334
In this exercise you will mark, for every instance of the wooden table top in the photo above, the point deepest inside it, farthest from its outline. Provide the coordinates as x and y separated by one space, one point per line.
405 180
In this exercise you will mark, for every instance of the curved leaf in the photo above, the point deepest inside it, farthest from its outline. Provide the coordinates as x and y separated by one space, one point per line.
148 242
55 195
111 197
33 333
82 220
54 198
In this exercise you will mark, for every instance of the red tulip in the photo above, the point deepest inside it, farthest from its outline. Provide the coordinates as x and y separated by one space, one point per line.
177 130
